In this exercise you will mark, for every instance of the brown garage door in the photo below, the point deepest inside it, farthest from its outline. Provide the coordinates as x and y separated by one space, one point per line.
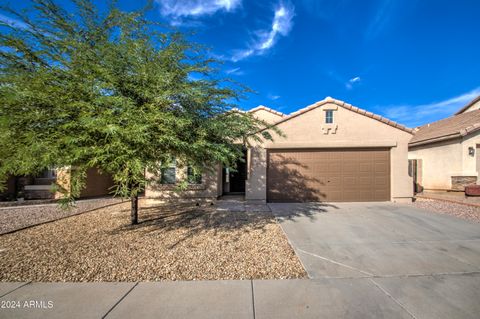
97 184
348 175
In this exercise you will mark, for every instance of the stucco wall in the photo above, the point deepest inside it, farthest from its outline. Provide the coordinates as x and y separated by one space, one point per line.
469 163
208 189
267 116
439 162
442 160
351 130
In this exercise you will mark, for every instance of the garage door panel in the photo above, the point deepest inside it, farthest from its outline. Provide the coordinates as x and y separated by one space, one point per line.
328 175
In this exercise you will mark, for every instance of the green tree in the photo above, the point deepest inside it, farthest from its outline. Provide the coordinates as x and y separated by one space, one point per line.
111 89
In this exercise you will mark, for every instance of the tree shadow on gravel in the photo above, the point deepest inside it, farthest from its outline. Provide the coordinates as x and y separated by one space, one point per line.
189 220
194 220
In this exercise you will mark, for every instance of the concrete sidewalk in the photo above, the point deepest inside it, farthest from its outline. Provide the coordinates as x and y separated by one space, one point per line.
379 297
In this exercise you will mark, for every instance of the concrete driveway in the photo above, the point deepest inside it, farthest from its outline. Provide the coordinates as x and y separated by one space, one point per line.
417 264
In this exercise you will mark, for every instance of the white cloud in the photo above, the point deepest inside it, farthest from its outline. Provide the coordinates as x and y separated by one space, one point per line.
266 39
415 115
177 9
381 19
273 97
352 81
355 79
234 71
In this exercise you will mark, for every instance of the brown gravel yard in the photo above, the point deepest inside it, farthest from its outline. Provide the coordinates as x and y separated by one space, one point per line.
471 213
13 218
170 243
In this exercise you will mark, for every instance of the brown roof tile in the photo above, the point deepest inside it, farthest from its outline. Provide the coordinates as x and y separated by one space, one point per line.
451 127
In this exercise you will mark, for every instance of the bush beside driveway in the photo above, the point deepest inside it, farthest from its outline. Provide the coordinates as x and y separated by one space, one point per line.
170 243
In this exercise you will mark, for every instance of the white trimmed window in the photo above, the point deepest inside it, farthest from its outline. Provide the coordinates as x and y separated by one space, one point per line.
329 116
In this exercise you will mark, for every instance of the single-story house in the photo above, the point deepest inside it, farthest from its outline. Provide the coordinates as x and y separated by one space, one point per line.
447 151
331 151
41 186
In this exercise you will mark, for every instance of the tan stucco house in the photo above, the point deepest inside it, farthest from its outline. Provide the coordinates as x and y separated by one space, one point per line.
447 151
331 151
40 187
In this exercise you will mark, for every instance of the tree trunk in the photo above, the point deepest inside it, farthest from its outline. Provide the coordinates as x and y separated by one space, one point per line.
134 210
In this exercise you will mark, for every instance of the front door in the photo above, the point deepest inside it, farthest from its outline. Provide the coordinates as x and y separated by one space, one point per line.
237 178
234 181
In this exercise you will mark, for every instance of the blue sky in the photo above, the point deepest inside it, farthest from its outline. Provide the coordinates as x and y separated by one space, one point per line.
413 61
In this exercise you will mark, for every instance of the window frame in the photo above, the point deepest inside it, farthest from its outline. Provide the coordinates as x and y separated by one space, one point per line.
163 170
192 178
329 118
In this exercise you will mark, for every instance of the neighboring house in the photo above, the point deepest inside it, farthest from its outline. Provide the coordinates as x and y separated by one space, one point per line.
447 150
41 186
472 106
332 151
267 114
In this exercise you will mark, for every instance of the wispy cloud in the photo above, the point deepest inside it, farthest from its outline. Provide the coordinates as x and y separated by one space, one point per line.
381 18
343 80
234 71
352 81
175 10
416 115
266 39
12 22
273 96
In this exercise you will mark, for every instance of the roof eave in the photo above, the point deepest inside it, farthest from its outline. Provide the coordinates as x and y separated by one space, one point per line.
435 139
262 107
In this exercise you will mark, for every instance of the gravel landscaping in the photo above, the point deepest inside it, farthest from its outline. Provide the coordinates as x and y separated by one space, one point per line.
471 213
170 243
13 218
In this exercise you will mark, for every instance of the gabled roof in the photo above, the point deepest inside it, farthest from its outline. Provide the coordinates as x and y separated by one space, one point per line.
348 107
463 109
264 108
446 129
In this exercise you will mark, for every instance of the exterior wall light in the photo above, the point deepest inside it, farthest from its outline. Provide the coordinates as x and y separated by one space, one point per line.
471 151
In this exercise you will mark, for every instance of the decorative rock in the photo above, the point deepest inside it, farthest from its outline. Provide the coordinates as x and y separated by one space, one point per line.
459 182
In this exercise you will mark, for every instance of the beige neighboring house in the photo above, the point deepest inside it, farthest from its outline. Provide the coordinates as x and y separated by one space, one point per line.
41 186
472 106
447 151
331 151
267 114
